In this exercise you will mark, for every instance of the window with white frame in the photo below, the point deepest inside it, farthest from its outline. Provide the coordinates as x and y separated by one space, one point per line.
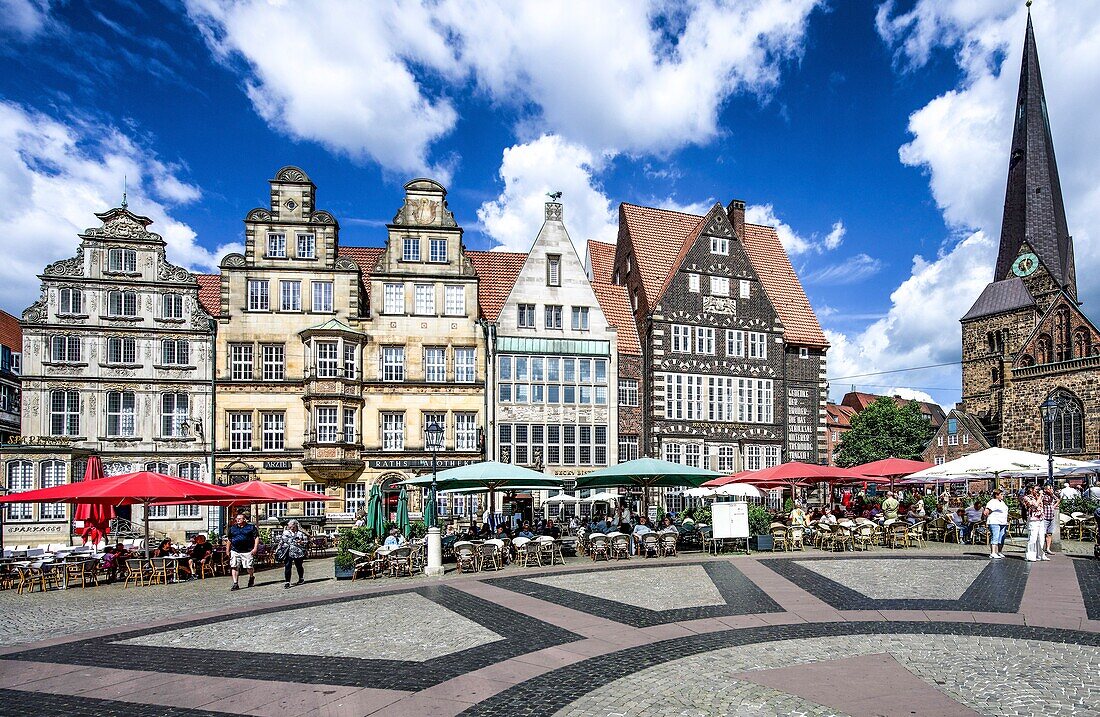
258 298
355 497
437 251
719 286
124 260
65 349
327 425
693 283
466 432
64 413
673 452
307 246
966 439
628 448
121 350
351 363
454 300
53 475
328 358
525 316
559 444
240 431
732 399
427 419
121 303
393 363
580 318
175 352
552 380
758 456
754 404
628 392
952 439
424 299
20 479
747 344
693 455
276 245
171 306
553 269
120 414
719 245
435 364
322 297
681 338
393 298
704 340
745 285
349 432
314 508
189 471
174 412
939 460
465 365
722 398
240 362
290 295
410 249
939 441
684 396
70 301
393 431
273 360
727 459
272 430
803 352
552 317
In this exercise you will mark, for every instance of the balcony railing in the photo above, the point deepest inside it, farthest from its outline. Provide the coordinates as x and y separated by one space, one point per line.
1043 369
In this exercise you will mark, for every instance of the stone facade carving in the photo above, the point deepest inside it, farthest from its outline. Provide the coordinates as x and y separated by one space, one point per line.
73 266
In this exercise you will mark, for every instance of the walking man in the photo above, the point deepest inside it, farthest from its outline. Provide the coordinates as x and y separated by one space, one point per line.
1033 504
1051 501
243 542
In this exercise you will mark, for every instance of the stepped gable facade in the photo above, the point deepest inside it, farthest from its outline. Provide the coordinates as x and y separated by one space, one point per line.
1026 338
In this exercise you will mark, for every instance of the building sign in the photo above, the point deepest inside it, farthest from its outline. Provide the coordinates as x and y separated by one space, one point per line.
276 465
35 528
403 463
340 517
801 425
63 441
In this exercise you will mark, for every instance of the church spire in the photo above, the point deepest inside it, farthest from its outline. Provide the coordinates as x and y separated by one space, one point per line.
1034 214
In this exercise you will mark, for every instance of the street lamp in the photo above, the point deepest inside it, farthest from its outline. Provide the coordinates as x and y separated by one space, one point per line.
433 441
1051 410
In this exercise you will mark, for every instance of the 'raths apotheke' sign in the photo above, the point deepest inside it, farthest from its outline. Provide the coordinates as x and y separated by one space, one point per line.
801 424
404 463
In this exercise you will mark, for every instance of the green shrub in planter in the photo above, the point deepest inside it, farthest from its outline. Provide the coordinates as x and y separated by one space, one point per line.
759 521
348 539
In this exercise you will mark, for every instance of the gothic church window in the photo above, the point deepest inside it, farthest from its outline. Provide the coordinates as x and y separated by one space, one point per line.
1082 343
1066 433
1062 346
1043 349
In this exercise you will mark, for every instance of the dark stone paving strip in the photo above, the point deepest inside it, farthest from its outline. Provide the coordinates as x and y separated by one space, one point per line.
18 703
521 633
998 588
1088 577
742 597
543 696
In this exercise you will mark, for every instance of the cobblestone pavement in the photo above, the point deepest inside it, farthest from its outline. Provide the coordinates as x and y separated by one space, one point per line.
941 630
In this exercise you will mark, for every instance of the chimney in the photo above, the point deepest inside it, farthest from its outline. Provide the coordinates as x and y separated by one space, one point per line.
736 213
553 211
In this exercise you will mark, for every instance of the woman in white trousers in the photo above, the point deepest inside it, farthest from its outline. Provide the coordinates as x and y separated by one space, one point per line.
1033 505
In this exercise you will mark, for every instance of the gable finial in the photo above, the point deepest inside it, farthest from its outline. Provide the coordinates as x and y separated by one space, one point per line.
1028 4
124 191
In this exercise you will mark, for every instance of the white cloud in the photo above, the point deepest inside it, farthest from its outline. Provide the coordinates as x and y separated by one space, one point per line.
848 271
24 18
528 172
374 80
836 235
56 175
794 242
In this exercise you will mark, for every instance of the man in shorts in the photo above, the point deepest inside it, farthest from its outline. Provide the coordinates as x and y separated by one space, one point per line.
1050 516
243 541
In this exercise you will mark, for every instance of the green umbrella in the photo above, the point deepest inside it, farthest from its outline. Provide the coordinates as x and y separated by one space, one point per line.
488 475
403 512
646 473
429 506
376 518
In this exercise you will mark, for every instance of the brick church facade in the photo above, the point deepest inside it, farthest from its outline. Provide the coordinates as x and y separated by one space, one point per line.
1026 338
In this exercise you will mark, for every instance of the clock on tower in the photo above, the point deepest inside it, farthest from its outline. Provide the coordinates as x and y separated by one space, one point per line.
1025 264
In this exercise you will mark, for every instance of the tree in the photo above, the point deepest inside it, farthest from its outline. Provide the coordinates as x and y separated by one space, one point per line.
884 430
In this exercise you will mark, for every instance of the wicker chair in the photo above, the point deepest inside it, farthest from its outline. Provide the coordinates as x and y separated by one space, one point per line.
863 537
158 571
796 538
916 534
668 544
137 572
467 557
650 544
599 546
620 546
823 538
491 557
779 537
898 534
549 551
400 561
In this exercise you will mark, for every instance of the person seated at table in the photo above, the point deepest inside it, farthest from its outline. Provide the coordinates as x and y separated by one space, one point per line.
667 526
502 533
917 511
890 506
640 529
201 553
394 539
112 564
451 531
798 517
828 517
956 522
163 550
550 529
485 531
525 531
974 516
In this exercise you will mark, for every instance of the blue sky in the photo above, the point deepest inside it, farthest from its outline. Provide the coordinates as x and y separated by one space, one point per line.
874 134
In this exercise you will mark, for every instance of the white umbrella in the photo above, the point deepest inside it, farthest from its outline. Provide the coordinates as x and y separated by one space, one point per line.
563 498
991 462
698 493
602 497
742 490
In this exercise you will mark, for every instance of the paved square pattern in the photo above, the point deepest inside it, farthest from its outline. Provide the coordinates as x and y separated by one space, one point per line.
1088 577
650 588
897 579
648 596
407 627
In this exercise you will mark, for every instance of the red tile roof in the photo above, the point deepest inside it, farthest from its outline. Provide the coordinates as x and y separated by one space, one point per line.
839 415
210 293
657 237
781 283
496 274
367 258
615 303
11 335
601 260
858 400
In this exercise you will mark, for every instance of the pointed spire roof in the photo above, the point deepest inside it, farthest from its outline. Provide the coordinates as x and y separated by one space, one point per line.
1034 214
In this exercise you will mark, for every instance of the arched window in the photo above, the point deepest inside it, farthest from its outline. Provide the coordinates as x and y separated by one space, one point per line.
1043 349
995 376
20 478
53 474
1066 433
1082 343
1027 360
1062 345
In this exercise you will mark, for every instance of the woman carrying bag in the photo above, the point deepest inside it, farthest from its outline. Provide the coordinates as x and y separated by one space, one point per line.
291 550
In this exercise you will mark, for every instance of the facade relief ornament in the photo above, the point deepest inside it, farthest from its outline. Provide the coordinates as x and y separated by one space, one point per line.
322 217
258 215
73 266
424 212
344 263
233 261
291 174
37 313
719 305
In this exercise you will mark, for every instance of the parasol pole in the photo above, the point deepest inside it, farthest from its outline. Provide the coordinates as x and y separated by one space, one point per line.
145 504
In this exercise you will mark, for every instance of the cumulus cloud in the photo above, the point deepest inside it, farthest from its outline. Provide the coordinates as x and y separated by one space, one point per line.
794 242
961 140
23 19
848 271
548 164
57 174
373 80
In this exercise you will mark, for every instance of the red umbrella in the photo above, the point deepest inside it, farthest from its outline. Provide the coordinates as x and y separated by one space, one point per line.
809 472
142 488
96 516
724 480
257 491
891 468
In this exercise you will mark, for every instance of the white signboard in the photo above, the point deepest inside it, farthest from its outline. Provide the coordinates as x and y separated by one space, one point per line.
731 520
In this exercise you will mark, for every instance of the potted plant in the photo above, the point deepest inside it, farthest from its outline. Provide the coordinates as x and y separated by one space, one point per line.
348 539
760 528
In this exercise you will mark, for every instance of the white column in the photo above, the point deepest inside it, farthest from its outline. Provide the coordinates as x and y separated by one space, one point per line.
434 566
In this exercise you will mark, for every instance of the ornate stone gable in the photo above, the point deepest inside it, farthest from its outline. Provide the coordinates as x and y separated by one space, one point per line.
425 206
1063 333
